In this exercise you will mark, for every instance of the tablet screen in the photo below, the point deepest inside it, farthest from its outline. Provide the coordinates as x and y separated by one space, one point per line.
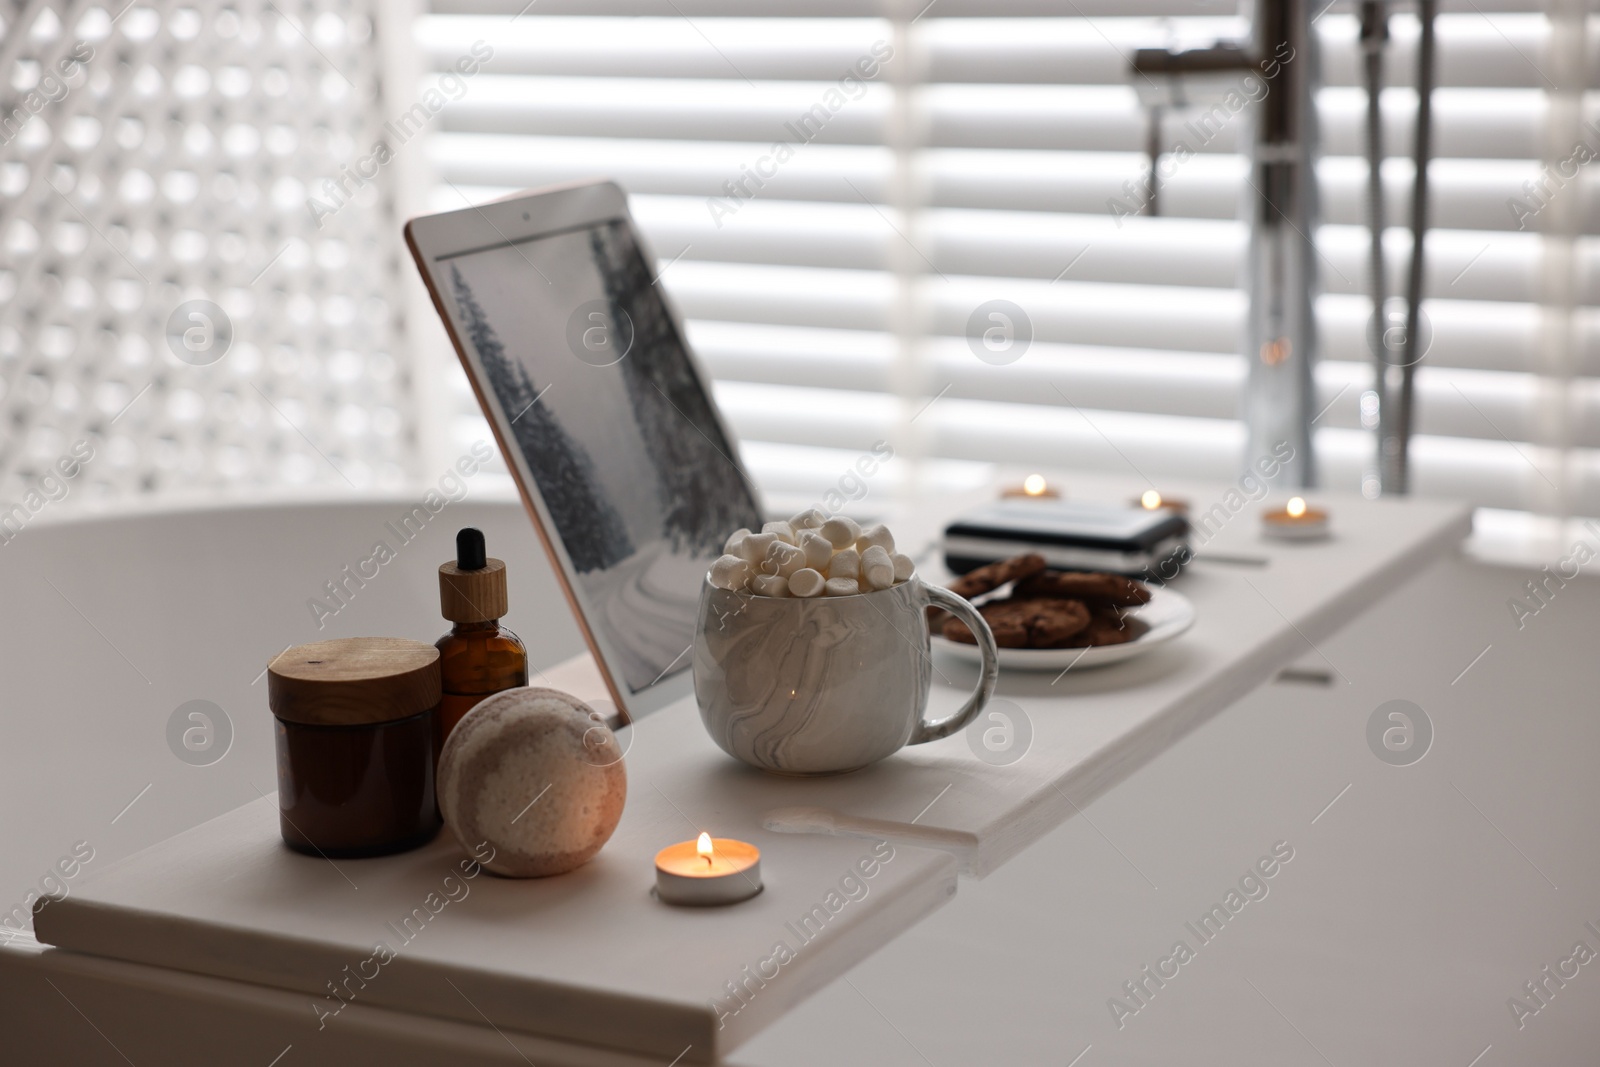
615 425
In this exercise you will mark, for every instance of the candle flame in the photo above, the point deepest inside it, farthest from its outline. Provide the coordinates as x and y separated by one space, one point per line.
1034 485
1297 507
703 846
1151 499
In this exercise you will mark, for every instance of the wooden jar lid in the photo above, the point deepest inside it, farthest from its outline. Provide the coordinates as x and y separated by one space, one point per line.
473 596
353 681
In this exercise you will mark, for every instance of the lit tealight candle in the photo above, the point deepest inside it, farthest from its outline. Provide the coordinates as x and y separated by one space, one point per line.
708 871
1034 486
1154 501
1295 521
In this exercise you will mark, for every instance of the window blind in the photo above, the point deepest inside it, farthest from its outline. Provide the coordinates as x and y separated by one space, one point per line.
829 237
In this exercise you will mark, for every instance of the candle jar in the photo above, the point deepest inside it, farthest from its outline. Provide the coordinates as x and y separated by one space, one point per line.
356 741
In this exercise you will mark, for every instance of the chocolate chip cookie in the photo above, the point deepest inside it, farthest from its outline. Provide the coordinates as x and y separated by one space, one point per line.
1110 589
1026 623
1106 628
1009 631
992 576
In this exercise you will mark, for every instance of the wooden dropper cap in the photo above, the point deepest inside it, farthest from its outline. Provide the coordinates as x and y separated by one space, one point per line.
472 588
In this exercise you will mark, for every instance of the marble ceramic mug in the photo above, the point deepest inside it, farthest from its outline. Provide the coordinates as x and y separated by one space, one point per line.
826 684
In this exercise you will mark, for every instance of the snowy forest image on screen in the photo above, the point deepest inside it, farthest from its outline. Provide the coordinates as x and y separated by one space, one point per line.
628 457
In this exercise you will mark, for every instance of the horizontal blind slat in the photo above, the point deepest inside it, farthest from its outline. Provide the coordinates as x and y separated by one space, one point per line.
1469 123
1474 49
1473 334
1464 194
1452 401
1492 472
948 9
711 9
1136 251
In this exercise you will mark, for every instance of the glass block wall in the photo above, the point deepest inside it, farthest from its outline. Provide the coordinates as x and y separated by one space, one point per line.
198 258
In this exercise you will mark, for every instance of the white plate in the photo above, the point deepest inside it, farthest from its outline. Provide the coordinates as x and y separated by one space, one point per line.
1168 614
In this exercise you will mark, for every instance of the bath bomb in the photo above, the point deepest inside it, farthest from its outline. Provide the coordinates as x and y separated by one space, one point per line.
538 775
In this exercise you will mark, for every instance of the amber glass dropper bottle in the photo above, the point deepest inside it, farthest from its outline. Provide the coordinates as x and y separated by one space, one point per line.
478 657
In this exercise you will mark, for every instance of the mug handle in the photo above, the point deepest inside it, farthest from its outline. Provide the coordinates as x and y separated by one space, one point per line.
988 673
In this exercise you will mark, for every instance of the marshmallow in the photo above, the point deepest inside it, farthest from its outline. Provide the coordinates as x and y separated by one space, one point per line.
877 569
846 564
783 559
876 535
806 582
841 532
731 572
754 547
769 585
811 555
817 549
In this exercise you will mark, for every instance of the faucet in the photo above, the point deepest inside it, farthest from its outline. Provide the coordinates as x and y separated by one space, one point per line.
1281 268
1394 378
1281 275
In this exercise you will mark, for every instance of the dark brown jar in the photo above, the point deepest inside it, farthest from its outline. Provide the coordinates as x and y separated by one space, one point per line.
356 734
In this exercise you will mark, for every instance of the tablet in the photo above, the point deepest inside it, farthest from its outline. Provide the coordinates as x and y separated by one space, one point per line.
624 464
